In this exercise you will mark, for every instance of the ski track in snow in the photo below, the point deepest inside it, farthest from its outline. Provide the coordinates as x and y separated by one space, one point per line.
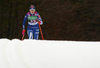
49 54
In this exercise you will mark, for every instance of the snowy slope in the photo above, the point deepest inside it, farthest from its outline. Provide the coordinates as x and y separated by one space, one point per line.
49 54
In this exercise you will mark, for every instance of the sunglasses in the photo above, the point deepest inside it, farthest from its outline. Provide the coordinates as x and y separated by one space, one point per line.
32 9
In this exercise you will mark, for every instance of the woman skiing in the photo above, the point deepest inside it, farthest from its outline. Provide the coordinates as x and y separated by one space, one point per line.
34 20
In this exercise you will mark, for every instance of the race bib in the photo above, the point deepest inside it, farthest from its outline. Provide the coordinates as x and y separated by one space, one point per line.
32 17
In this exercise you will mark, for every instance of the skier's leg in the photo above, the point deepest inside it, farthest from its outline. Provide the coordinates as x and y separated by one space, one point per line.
30 34
36 34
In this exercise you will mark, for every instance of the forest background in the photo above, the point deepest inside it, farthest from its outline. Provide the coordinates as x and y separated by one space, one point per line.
77 20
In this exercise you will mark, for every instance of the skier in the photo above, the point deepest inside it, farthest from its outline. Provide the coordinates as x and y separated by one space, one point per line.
34 20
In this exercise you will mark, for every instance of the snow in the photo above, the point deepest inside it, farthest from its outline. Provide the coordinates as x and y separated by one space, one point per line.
49 54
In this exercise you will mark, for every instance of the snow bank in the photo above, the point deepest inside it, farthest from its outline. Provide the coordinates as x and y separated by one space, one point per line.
49 54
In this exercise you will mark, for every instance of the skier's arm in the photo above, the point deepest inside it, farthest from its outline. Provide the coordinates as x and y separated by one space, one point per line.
40 19
25 19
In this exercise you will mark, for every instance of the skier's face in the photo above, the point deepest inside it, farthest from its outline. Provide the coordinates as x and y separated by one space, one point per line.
32 11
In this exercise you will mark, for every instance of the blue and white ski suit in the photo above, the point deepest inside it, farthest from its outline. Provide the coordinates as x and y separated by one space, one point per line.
33 27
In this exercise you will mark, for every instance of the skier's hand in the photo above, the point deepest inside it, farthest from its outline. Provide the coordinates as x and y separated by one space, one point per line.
40 22
23 32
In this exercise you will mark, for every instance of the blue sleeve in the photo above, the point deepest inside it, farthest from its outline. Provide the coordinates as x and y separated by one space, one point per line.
25 19
40 19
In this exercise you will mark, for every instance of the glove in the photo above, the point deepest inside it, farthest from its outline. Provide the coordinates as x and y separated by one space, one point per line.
23 32
40 22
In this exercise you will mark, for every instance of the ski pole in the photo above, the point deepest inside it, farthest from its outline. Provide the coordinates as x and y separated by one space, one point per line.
22 37
40 31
